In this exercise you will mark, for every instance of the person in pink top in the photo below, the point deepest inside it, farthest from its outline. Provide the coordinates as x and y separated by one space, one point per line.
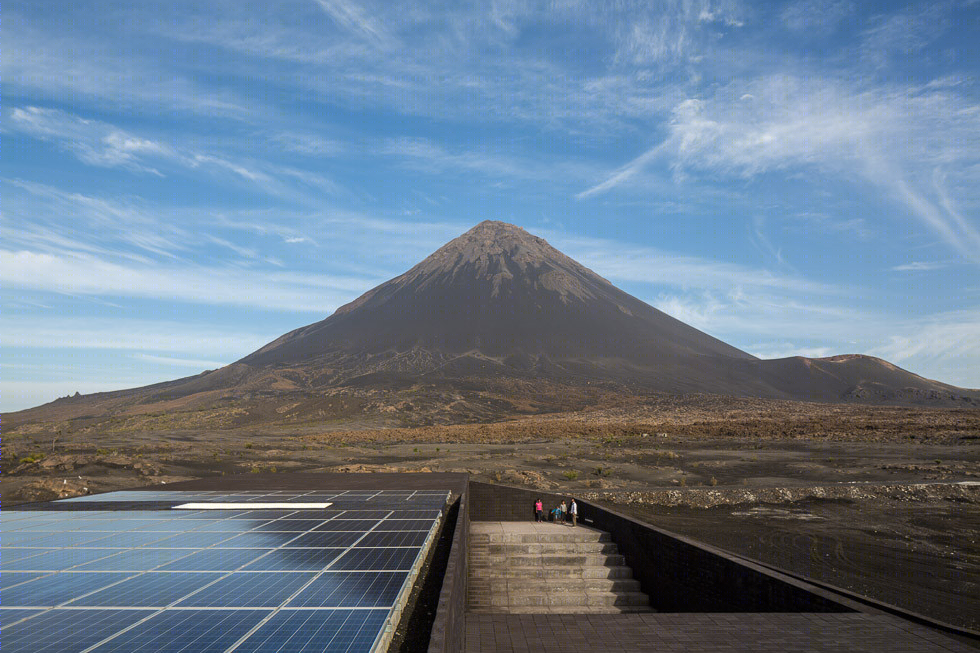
538 509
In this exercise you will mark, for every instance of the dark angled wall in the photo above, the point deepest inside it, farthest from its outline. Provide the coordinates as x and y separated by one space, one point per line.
449 628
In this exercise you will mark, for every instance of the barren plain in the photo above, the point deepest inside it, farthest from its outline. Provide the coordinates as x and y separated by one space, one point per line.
884 501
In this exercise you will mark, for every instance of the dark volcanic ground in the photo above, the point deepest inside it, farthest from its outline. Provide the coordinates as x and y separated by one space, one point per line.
740 474
923 557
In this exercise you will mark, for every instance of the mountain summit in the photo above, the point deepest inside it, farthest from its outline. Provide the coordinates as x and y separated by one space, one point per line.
496 322
497 292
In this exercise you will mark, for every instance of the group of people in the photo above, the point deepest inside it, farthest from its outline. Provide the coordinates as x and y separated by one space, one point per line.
560 514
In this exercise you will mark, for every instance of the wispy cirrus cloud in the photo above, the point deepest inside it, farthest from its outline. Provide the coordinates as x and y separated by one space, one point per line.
354 18
623 261
84 274
105 145
904 144
82 65
919 266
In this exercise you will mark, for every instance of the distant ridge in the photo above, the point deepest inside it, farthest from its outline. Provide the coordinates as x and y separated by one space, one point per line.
501 312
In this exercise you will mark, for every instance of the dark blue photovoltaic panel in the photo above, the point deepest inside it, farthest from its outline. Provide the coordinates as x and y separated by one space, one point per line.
358 589
152 589
23 538
58 588
58 559
347 525
254 514
214 560
374 515
256 540
377 560
11 578
325 539
188 631
67 631
393 538
10 616
308 631
135 560
120 525
223 525
404 525
192 540
9 555
247 590
428 515
300 525
295 560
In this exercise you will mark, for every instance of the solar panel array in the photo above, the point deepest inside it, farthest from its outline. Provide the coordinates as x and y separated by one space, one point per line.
212 580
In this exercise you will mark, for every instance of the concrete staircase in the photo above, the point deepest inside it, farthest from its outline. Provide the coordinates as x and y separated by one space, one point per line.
522 567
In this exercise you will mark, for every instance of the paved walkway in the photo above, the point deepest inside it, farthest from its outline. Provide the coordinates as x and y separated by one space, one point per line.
850 632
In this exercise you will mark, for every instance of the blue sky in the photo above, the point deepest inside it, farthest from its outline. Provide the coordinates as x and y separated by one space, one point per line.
182 182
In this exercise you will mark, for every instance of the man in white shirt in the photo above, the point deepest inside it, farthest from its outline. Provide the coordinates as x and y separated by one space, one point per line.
573 511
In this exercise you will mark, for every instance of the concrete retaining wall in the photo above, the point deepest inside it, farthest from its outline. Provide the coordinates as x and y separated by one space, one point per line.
448 633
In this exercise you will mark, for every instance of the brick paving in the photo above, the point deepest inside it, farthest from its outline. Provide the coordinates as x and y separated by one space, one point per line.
728 632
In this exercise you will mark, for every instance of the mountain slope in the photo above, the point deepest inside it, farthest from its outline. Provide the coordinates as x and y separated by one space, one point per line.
500 291
495 322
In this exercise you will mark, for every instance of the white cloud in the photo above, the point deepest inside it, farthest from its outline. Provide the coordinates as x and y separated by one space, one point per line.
942 346
194 363
919 266
75 65
83 274
905 143
101 144
124 334
352 17
627 262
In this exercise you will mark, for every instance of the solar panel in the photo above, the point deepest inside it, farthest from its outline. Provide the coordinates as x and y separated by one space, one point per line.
351 590
257 540
11 578
58 559
294 560
393 538
200 631
10 616
137 575
325 539
404 525
377 559
58 588
251 590
306 631
134 560
346 525
151 589
11 554
214 559
66 631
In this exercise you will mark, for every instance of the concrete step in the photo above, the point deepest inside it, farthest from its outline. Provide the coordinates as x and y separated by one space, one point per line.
564 585
517 548
564 609
553 599
548 568
567 535
557 560
508 571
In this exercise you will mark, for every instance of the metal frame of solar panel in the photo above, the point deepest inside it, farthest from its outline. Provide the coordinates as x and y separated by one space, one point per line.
154 578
